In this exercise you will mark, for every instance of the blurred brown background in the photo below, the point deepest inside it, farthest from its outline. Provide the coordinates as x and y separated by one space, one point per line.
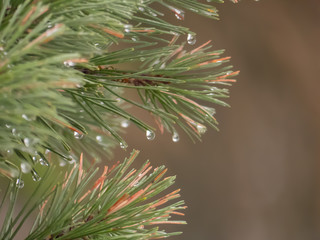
256 179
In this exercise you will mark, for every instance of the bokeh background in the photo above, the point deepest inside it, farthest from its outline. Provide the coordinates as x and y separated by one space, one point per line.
258 178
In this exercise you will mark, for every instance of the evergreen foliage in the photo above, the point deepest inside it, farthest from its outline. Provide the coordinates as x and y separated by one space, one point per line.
63 74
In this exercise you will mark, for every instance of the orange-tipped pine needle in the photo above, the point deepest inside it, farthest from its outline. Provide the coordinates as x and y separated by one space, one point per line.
29 14
160 175
198 48
192 102
101 179
108 30
68 126
45 37
142 30
213 61
80 168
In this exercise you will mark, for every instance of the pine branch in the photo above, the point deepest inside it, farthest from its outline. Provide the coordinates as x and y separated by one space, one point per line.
118 204
59 76
64 76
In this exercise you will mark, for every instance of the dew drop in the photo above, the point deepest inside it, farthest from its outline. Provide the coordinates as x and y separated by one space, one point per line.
43 162
9 152
99 138
134 39
201 128
153 13
125 123
191 39
26 142
175 137
69 63
141 9
163 66
150 135
97 45
50 25
211 111
156 62
14 132
25 167
123 145
8 126
178 13
72 159
25 117
19 183
127 27
77 135
34 159
62 163
35 176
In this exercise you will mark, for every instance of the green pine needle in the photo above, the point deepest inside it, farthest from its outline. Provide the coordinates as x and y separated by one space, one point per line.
119 204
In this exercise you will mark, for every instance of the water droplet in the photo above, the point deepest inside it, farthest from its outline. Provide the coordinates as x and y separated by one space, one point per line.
43 162
50 25
34 159
19 183
14 132
153 13
25 167
25 117
62 163
125 123
8 126
134 39
9 152
99 138
26 142
163 65
127 27
191 39
72 159
123 145
211 111
99 46
77 135
175 137
35 176
201 128
141 9
178 13
69 63
150 135
156 62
